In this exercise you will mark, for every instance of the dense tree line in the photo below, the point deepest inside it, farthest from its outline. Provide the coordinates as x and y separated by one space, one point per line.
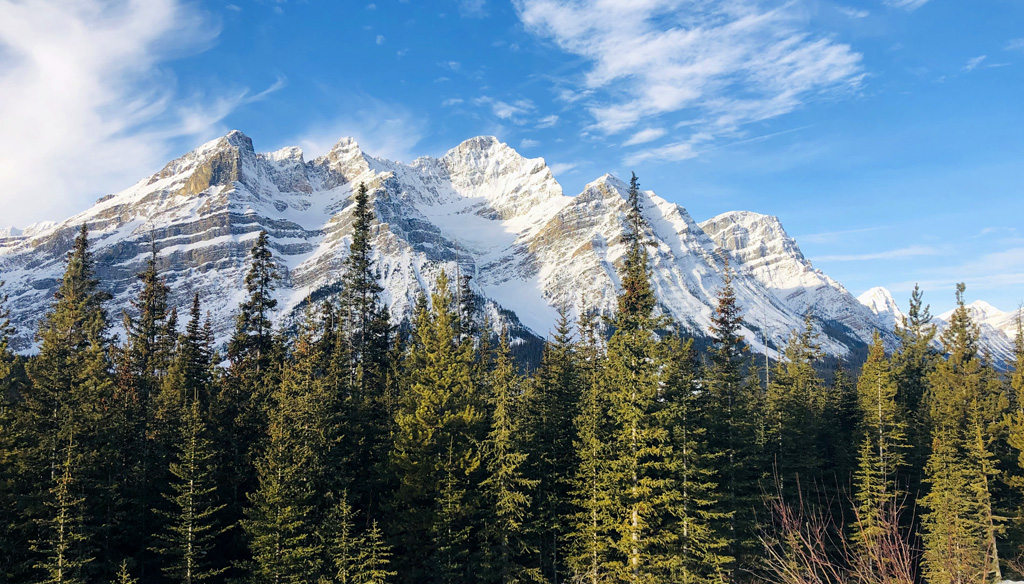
357 451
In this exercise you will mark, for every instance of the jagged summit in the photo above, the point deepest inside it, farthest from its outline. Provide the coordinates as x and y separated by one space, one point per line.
481 209
880 301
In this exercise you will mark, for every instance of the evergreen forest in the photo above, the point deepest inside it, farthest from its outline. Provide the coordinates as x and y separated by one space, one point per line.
352 449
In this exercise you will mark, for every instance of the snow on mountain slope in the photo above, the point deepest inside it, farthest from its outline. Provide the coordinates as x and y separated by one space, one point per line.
880 301
760 246
997 328
480 210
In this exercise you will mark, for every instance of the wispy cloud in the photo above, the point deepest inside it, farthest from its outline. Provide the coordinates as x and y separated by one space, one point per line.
561 167
729 63
993 271
645 136
903 253
973 63
529 143
853 12
834 236
547 122
381 129
452 101
1015 45
473 8
512 111
85 105
909 5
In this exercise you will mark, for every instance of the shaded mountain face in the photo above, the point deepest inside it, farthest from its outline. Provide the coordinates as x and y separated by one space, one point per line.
480 210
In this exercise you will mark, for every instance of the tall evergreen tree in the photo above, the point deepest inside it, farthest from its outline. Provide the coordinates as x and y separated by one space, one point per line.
589 556
436 456
730 429
507 492
361 360
65 554
71 385
552 404
241 407
883 448
374 559
289 507
11 524
959 527
190 525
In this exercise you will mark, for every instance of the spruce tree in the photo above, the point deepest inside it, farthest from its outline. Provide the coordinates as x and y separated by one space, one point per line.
64 549
342 545
551 406
507 492
959 526
12 531
71 387
589 550
913 363
439 425
190 525
374 559
879 484
730 429
288 508
240 408
361 359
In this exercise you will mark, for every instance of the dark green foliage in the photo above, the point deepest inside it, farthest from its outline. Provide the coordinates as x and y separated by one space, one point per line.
506 490
552 404
63 542
190 525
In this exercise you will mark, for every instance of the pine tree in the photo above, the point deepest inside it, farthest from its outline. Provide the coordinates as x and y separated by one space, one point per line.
912 364
795 404
190 525
636 302
71 385
551 405
507 491
142 364
435 454
361 360
589 554
64 549
342 545
286 513
374 559
241 406
730 431
697 543
123 575
11 526
960 528
882 458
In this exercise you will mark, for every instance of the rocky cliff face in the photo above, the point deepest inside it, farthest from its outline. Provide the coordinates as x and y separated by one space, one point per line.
481 209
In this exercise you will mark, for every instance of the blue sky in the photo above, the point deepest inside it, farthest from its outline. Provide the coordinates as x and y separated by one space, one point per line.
886 134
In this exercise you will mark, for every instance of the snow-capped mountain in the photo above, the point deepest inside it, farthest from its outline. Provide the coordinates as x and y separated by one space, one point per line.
480 210
998 329
880 301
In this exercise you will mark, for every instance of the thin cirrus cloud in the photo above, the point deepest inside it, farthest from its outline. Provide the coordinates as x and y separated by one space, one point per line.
973 63
903 253
645 136
909 5
380 128
724 64
86 107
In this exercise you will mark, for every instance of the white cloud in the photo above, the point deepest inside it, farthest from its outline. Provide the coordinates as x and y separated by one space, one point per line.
529 143
903 253
853 12
371 6
473 8
1015 45
507 111
561 167
547 121
86 107
452 101
380 39
973 63
381 129
234 7
673 152
728 63
909 5
645 136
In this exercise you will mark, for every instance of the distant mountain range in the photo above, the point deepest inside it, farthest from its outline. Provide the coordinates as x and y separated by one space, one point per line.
480 210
